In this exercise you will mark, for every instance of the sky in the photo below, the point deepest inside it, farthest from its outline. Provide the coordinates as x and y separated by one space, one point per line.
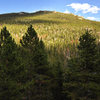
89 9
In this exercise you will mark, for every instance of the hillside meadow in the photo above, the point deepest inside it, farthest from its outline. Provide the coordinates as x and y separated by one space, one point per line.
59 31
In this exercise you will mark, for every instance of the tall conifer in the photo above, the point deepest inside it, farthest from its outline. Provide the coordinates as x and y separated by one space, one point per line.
10 68
38 70
82 80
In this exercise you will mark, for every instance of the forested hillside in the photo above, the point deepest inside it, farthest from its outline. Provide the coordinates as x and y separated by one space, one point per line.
49 55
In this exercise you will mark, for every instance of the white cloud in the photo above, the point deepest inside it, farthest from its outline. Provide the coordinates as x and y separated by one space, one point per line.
85 7
91 18
68 12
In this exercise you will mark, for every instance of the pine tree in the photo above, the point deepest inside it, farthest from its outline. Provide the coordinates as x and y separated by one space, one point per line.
82 80
10 68
88 51
30 39
38 70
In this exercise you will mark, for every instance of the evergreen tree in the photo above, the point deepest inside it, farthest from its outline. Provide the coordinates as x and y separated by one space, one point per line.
30 39
82 79
88 51
10 68
37 69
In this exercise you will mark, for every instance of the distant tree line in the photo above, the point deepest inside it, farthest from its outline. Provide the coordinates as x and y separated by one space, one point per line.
26 74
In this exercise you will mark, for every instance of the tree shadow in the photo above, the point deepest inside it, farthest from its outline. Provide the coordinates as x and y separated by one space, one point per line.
11 18
33 21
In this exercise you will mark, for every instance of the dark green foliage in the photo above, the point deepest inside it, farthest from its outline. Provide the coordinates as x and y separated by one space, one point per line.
88 51
37 67
10 68
30 38
40 59
82 78
36 51
58 80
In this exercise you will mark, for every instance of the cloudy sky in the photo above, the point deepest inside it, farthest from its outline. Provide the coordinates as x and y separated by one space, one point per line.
90 9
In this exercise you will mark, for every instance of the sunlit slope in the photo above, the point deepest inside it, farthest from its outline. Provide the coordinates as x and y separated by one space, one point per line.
56 29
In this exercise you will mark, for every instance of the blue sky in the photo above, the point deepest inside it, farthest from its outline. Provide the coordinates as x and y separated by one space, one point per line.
89 9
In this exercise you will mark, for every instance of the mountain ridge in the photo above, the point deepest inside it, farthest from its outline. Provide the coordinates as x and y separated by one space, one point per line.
22 13
40 12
